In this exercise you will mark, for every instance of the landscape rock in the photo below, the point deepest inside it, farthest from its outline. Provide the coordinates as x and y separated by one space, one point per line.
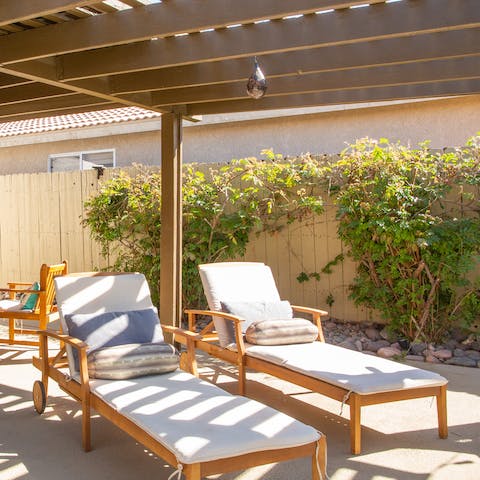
417 348
388 352
372 333
430 358
348 344
461 361
443 354
366 338
472 354
415 358
375 346
386 335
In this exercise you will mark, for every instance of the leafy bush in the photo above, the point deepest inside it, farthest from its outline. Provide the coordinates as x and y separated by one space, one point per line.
222 206
410 220
408 217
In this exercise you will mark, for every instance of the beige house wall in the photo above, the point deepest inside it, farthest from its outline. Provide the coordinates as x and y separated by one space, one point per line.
141 147
446 122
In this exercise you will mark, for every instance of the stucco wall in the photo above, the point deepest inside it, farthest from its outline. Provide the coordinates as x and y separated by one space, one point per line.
446 123
141 147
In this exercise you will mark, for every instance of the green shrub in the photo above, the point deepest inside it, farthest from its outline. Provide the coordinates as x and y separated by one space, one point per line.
410 220
408 217
222 206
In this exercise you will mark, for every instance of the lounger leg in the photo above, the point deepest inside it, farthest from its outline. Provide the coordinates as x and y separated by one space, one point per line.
242 379
442 412
11 331
43 351
319 460
355 424
86 441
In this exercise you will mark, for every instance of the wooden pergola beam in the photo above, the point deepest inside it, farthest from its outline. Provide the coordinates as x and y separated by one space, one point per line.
340 97
404 74
439 45
64 111
30 91
7 81
379 21
157 20
53 105
18 10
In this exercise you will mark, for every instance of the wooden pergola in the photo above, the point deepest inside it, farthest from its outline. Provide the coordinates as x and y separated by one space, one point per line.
185 58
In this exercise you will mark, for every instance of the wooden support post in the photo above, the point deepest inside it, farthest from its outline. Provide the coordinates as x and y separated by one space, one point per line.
171 239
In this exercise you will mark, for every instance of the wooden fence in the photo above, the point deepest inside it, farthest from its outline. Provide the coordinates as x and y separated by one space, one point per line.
41 222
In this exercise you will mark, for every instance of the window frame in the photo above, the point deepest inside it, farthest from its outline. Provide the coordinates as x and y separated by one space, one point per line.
81 154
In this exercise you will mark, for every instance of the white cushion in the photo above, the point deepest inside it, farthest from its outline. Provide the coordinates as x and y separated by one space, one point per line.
198 421
236 281
99 294
354 371
11 305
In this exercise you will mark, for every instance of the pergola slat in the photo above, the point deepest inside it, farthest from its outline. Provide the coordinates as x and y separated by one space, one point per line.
378 21
53 105
341 97
30 91
439 70
18 10
382 52
157 20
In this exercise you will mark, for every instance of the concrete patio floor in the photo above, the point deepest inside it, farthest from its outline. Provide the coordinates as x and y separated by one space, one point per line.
399 439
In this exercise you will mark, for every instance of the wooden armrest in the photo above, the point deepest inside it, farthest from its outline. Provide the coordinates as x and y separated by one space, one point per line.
74 342
20 290
298 308
214 313
181 332
227 316
15 284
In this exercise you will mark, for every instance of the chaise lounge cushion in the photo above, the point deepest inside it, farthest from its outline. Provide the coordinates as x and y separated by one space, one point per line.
132 360
236 282
354 371
281 332
198 421
95 295
11 305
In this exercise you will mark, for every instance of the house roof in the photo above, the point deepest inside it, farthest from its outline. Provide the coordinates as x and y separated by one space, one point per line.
59 57
75 120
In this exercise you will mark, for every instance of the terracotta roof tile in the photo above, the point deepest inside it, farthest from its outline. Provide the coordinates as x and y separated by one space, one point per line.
76 120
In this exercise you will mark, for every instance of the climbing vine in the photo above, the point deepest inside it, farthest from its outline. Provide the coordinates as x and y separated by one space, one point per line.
222 207
408 217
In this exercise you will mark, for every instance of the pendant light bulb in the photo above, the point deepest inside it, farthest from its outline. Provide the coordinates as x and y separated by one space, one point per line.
257 84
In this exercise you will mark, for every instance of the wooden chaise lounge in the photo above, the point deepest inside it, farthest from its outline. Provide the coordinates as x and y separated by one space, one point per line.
194 425
353 378
40 313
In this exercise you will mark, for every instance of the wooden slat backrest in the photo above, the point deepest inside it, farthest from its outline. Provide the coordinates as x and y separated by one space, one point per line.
47 289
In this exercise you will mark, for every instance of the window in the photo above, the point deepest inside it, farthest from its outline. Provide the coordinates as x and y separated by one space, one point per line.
63 162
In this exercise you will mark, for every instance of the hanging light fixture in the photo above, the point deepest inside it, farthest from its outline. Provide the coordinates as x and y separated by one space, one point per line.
257 84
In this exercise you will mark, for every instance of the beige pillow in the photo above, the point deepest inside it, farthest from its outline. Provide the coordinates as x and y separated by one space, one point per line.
281 332
132 360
